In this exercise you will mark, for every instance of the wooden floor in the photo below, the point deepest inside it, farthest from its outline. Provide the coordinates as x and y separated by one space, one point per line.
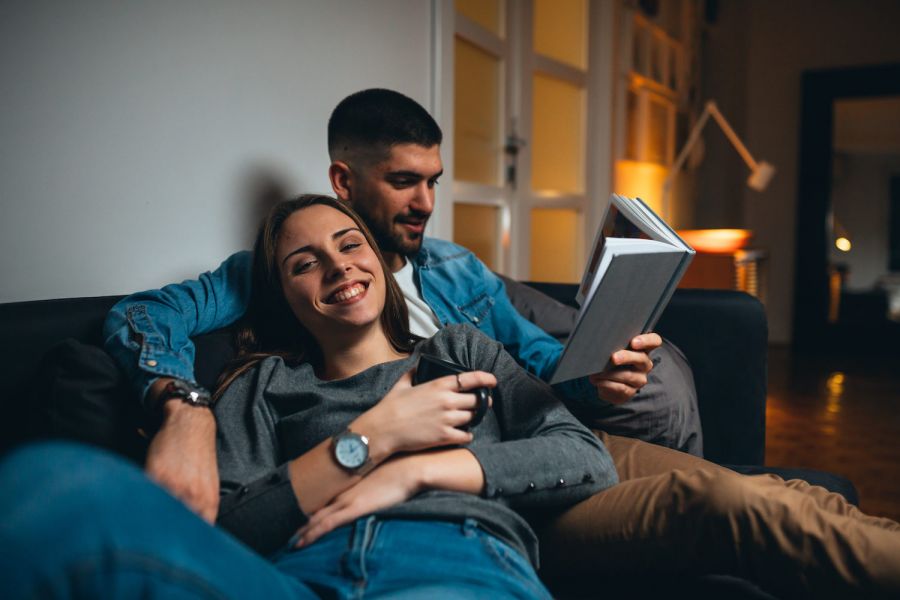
840 415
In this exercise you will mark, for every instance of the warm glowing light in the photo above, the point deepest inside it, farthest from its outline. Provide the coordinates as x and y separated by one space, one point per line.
716 241
835 383
835 386
836 378
843 244
643 180
835 284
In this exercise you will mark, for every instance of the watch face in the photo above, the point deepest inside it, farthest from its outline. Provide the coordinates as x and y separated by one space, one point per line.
350 451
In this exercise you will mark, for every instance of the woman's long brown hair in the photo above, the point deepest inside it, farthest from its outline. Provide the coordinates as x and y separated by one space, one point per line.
270 328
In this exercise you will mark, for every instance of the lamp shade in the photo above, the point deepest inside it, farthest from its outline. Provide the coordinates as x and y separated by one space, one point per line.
761 176
716 241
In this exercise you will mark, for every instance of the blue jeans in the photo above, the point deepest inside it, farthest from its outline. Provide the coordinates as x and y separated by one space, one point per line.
80 523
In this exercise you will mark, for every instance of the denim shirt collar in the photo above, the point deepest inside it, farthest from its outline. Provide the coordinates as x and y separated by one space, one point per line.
422 257
434 251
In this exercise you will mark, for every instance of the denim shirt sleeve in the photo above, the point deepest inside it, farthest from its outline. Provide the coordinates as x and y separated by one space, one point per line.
149 333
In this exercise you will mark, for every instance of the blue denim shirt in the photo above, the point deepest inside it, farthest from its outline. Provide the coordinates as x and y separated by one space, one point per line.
149 333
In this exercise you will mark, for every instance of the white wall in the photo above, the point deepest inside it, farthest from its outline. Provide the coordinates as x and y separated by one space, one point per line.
134 134
781 40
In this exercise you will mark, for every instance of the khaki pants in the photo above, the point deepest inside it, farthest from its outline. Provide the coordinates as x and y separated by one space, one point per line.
673 513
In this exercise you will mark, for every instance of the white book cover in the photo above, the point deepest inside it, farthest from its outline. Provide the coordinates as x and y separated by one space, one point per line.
635 265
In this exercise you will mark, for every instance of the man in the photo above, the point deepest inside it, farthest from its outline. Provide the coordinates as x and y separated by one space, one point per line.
385 153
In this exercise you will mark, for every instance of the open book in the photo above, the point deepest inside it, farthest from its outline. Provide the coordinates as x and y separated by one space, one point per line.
635 265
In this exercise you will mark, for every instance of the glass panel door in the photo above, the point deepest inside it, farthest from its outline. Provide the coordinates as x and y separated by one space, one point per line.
476 144
481 63
522 129
556 245
558 140
558 124
560 31
477 227
486 13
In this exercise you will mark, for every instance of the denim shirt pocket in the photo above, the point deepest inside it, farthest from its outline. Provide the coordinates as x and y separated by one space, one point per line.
476 310
155 357
142 325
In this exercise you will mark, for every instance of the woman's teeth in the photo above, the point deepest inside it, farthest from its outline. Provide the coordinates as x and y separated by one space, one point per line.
348 293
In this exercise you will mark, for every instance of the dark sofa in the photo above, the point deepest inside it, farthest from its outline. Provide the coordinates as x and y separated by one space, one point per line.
60 384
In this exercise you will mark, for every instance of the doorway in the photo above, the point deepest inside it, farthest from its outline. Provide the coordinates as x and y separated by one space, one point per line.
842 300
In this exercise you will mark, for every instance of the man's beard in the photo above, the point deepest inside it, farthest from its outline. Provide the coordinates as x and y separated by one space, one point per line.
391 240
398 242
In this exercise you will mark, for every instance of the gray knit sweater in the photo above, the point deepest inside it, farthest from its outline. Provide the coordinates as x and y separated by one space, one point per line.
533 452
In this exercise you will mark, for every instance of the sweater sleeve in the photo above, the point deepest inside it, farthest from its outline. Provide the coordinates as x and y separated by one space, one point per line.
258 505
545 457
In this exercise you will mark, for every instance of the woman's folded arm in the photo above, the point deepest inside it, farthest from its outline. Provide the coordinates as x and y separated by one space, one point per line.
546 457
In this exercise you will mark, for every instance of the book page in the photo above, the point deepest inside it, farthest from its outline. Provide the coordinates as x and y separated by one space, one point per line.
661 226
634 210
619 222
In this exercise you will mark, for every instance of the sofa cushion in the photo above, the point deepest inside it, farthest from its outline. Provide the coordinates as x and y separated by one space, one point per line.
79 393
554 317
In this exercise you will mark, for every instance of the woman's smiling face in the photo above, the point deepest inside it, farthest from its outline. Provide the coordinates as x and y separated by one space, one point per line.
331 277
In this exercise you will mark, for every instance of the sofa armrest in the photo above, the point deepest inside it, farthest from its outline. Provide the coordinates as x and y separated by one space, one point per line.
724 336
27 331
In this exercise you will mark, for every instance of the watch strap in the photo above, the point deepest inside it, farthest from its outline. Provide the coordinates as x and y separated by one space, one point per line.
187 392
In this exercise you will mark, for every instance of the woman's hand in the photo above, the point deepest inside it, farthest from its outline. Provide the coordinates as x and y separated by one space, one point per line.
393 482
411 418
396 481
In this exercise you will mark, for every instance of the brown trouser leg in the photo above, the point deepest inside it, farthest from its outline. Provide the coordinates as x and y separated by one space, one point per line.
675 513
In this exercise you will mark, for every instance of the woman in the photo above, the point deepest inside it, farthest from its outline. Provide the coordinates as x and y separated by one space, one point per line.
326 373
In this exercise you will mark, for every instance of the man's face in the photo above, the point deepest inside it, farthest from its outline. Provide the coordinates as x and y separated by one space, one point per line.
395 197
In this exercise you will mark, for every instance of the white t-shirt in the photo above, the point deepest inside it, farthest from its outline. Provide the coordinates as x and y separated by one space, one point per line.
422 320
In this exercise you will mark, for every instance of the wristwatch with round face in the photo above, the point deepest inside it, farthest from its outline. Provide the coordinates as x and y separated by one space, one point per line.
351 451
186 392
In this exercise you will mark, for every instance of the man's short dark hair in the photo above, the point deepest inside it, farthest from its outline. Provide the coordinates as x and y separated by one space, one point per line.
364 126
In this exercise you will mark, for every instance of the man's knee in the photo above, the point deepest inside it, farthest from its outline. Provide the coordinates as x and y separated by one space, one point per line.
62 462
711 497
60 481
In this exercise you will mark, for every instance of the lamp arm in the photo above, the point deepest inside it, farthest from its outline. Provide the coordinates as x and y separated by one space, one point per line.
682 156
709 109
691 141
731 135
